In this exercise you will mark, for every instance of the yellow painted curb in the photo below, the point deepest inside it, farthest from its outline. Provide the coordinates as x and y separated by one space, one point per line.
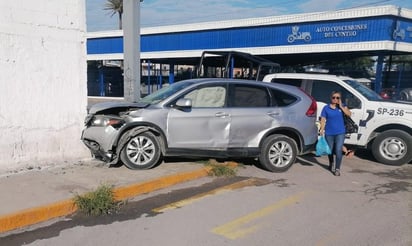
36 215
122 193
43 213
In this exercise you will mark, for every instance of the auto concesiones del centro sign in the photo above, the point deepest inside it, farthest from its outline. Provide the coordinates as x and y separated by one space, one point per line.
341 31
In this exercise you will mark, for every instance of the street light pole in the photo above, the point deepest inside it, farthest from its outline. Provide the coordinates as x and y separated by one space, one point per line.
131 49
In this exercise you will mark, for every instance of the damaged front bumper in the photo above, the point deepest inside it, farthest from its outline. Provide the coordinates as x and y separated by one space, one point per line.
100 142
96 151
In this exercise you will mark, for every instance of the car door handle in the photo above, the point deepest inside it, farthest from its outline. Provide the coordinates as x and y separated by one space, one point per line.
271 114
221 114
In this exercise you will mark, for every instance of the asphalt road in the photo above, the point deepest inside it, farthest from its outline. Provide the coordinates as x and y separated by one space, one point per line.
370 204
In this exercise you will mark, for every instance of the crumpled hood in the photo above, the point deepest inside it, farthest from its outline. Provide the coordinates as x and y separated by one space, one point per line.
99 107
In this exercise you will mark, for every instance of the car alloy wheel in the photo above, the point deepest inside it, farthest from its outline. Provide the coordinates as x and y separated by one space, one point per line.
141 151
278 153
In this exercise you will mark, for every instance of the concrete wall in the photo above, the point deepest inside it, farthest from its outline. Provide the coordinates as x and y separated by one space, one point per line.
43 90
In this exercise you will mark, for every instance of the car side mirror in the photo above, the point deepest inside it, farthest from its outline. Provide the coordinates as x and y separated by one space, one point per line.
353 103
183 103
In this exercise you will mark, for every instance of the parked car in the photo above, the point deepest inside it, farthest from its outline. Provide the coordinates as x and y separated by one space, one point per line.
388 93
384 126
406 94
217 118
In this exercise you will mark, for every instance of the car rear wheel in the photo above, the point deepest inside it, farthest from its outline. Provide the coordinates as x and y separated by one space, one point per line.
278 153
403 96
393 147
141 152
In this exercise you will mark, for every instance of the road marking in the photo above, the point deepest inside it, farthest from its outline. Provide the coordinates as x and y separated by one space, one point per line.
239 228
184 202
327 240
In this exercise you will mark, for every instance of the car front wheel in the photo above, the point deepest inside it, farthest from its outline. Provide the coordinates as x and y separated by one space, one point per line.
278 153
141 152
393 147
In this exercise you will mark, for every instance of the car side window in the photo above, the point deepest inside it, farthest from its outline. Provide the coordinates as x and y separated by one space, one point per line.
281 98
321 90
249 96
208 97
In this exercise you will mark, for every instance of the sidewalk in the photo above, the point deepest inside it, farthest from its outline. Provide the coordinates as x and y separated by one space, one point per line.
34 196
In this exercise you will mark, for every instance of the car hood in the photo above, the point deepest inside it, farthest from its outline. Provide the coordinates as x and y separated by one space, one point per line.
115 106
397 103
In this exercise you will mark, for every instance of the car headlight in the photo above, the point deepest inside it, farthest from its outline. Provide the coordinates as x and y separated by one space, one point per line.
107 121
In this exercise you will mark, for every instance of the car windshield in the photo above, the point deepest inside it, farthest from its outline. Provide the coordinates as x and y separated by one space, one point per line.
165 92
364 90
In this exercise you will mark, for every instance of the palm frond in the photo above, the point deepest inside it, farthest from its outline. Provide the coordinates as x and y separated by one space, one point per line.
114 6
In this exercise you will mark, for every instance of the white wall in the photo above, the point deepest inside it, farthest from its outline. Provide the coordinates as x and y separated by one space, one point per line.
43 88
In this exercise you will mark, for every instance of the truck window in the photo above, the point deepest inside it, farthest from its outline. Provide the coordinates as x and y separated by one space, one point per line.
293 82
365 91
321 90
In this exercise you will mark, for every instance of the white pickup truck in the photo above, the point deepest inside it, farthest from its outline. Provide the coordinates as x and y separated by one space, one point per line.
384 126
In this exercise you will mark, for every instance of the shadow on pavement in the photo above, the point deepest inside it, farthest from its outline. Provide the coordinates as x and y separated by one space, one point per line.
310 160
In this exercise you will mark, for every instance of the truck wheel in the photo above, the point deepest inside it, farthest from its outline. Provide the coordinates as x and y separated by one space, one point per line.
291 38
403 96
278 153
393 147
141 152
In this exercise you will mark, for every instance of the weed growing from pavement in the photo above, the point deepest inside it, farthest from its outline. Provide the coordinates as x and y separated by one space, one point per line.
220 169
98 202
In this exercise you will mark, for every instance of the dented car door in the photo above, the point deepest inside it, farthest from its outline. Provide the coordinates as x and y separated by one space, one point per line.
205 124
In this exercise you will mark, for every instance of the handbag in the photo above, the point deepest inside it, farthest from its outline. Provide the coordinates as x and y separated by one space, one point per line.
322 147
350 125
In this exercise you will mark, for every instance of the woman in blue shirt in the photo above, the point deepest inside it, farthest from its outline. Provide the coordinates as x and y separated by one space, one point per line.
332 127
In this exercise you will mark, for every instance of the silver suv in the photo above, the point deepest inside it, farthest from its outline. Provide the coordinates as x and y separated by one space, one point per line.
217 118
384 126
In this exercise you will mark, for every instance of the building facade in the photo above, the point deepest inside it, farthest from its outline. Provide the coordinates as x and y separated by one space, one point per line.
288 40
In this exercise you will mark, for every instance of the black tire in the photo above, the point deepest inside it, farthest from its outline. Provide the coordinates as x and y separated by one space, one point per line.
393 147
141 152
278 153
403 96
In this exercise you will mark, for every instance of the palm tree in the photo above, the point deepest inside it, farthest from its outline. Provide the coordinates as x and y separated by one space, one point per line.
115 7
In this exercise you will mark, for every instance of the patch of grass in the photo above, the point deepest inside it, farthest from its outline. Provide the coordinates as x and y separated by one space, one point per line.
220 169
98 202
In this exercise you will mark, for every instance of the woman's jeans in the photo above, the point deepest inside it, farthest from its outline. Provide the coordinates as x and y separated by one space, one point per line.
335 143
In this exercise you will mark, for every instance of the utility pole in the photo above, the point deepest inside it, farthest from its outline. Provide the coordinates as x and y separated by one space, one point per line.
131 49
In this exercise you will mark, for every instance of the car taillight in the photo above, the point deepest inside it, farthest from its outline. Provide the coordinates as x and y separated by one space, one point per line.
311 112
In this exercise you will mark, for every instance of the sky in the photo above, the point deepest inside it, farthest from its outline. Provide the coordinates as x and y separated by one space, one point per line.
172 12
